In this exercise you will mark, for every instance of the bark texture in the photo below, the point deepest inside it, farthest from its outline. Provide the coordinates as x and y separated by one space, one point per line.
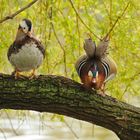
57 94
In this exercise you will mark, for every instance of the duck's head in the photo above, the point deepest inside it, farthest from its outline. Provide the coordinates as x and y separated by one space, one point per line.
25 27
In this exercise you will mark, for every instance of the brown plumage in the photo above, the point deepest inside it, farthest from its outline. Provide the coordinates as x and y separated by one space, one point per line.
18 44
26 52
96 67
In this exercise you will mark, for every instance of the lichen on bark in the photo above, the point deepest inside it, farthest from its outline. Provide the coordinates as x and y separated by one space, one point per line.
57 94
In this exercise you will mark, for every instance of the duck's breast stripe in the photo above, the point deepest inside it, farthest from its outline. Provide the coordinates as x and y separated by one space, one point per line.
106 68
81 64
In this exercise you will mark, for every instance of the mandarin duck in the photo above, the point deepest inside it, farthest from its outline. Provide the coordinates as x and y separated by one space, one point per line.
95 68
26 53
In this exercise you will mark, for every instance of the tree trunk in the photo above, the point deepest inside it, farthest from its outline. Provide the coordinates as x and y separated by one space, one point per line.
57 94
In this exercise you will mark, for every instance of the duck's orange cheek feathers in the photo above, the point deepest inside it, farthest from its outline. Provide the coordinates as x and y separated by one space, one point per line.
88 81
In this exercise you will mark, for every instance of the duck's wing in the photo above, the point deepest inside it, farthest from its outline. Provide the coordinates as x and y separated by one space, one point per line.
89 47
12 49
41 47
102 48
39 44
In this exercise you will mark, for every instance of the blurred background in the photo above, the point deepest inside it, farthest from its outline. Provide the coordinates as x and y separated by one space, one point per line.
62 32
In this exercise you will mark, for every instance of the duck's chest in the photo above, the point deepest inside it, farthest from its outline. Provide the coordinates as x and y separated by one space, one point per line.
27 57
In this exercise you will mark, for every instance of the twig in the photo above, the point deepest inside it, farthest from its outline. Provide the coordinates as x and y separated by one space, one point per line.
61 46
57 38
55 64
106 9
110 13
55 34
128 85
49 37
17 12
10 121
19 125
62 14
119 17
2 131
70 128
50 17
64 53
82 20
78 31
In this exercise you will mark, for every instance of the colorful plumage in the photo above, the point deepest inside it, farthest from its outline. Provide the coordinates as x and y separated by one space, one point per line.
26 53
96 67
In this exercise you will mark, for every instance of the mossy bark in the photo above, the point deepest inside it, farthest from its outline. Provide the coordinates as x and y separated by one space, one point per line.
57 94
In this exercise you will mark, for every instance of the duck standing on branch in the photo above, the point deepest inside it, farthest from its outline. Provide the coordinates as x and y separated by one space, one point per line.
26 53
96 67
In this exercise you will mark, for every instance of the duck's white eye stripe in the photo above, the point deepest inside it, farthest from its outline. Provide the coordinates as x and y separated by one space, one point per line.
90 74
97 74
23 25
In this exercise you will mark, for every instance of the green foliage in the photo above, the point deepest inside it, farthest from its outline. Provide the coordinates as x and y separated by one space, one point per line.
99 15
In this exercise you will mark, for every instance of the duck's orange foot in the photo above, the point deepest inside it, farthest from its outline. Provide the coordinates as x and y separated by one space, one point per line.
102 90
102 93
17 75
32 76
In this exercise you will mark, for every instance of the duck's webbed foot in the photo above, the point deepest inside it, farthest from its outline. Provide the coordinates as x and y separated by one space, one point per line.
17 74
102 92
33 75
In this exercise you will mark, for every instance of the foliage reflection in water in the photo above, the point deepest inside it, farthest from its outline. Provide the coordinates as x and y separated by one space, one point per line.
19 125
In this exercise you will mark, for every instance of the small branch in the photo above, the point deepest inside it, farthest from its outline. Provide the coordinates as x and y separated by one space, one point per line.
106 9
78 30
119 17
10 121
57 38
55 64
110 12
2 131
82 20
18 12
49 36
64 53
50 18
61 46
128 85
72 131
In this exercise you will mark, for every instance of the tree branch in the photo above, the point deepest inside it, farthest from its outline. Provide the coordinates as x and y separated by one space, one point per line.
119 17
57 94
18 12
62 48
82 20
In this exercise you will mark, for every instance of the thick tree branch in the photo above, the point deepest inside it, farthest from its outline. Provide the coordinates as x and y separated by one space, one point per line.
18 12
56 94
